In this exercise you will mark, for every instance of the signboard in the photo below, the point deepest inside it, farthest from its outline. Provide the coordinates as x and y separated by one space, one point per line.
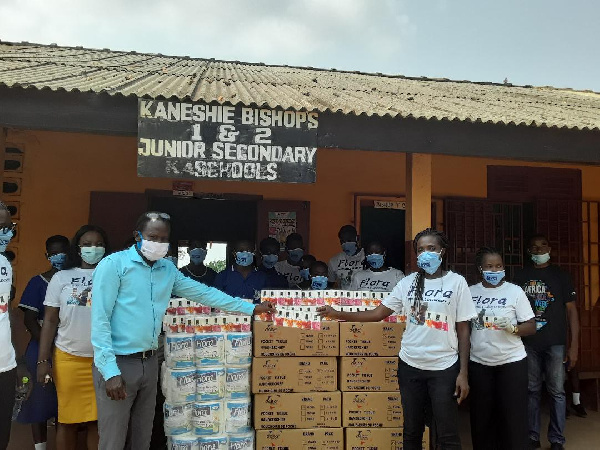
281 225
223 142
183 188
389 205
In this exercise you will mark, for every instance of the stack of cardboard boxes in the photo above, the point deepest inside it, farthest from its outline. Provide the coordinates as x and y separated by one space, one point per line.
330 389
294 382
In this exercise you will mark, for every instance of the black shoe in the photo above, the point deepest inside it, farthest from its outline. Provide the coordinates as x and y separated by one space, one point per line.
579 410
556 446
534 444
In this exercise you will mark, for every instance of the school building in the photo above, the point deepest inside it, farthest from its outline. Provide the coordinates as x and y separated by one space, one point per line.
488 163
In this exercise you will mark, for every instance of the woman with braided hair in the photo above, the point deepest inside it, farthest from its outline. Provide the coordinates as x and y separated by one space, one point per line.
434 354
498 366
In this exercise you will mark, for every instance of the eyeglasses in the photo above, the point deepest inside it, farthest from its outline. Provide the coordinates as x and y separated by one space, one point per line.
158 215
12 227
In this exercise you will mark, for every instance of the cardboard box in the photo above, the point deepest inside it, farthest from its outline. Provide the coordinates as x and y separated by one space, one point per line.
370 338
378 439
376 373
294 374
298 410
372 409
311 439
270 340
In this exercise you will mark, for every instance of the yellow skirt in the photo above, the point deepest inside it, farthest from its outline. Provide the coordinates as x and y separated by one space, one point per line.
74 388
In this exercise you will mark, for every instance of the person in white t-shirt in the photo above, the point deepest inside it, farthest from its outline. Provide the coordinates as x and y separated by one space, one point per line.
291 266
434 354
498 366
349 260
12 371
378 276
68 318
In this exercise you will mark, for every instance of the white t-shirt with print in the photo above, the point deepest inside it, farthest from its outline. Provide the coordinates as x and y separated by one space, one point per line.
342 266
71 291
7 351
430 341
490 345
291 273
369 280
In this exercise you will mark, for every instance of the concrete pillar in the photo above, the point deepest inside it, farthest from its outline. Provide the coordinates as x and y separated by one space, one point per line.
418 201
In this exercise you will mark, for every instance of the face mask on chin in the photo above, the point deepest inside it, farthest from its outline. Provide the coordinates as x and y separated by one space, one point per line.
538 260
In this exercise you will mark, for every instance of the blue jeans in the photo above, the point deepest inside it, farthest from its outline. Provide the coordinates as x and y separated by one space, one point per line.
548 363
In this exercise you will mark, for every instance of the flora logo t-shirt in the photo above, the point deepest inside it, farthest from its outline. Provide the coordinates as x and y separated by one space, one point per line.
430 341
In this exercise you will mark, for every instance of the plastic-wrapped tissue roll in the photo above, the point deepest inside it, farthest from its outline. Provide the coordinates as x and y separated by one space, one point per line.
212 442
238 348
209 348
180 385
243 441
179 350
237 415
207 418
184 442
210 383
178 419
237 381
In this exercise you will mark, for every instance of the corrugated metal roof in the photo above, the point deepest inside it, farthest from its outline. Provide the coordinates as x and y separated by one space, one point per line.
152 75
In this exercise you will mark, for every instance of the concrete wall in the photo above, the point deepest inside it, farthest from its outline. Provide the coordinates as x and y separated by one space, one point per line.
61 169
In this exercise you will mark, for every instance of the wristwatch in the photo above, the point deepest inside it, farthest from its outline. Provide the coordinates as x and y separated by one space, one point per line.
515 329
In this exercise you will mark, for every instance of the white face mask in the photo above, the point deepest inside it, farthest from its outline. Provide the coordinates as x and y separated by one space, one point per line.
151 250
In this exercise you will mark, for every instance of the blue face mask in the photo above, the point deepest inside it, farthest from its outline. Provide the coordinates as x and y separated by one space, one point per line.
244 258
58 261
198 255
305 274
318 283
5 237
430 262
295 255
173 259
375 260
494 278
269 261
350 248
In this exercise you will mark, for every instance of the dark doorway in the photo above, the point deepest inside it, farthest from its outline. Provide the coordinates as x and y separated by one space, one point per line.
386 226
209 220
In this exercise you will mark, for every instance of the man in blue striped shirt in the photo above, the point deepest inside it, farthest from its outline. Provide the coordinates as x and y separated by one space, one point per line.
131 290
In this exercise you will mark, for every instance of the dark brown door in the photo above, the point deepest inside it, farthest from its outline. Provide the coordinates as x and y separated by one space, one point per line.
117 213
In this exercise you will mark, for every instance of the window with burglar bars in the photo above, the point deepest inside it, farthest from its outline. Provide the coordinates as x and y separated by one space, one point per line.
471 224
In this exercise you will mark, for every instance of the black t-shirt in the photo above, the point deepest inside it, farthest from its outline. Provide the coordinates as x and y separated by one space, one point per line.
208 278
549 290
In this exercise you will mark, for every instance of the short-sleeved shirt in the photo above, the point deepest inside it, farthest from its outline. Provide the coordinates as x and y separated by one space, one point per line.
490 345
548 289
342 266
207 278
34 295
430 341
71 291
370 280
7 351
290 272
233 283
274 280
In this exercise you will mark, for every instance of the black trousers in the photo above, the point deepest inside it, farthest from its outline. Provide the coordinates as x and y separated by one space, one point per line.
498 402
8 384
421 388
